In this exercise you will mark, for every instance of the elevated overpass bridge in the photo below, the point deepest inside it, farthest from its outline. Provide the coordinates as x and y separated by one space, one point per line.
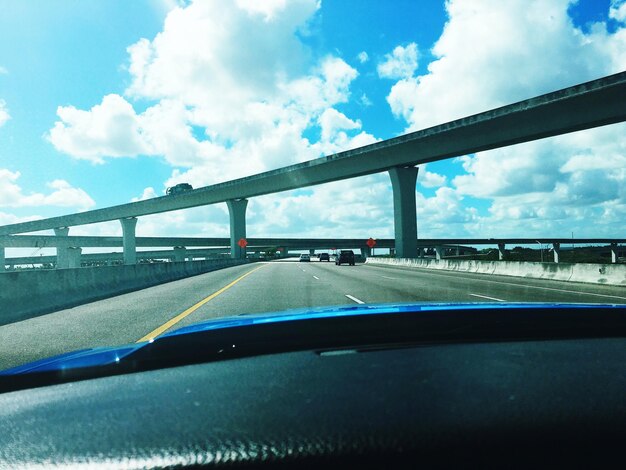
592 104
69 248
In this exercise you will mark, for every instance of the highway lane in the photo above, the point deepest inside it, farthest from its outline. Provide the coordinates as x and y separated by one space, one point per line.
263 287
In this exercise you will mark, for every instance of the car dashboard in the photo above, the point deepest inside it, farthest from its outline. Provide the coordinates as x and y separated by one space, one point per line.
442 387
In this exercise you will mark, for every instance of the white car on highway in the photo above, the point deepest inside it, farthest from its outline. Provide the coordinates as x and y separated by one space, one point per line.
305 257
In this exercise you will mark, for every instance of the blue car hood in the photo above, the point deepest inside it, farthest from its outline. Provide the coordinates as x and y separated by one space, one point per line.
102 356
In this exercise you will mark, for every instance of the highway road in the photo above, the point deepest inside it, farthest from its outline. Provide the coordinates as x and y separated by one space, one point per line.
267 287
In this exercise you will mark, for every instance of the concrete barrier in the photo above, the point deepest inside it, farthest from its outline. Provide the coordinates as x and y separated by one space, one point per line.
611 274
27 294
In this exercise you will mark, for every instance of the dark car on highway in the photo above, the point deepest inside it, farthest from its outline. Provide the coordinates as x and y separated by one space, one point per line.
179 188
324 257
345 256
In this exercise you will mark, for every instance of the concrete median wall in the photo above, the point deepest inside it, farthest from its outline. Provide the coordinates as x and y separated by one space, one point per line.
27 294
612 274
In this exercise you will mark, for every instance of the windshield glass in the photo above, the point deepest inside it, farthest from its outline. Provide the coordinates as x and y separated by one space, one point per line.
153 175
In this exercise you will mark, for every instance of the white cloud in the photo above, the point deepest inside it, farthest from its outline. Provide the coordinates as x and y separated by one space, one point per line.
3 70
479 67
429 179
401 63
214 120
110 129
618 10
443 215
62 194
362 57
332 121
545 187
4 113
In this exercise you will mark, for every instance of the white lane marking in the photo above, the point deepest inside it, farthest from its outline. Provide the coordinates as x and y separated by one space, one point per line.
354 299
486 297
387 277
316 278
457 276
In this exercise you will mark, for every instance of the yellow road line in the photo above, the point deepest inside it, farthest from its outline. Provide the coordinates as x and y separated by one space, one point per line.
153 334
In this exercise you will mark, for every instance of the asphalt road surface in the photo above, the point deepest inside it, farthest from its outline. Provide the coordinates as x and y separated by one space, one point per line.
268 287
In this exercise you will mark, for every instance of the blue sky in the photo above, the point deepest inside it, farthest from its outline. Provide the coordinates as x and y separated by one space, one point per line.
103 102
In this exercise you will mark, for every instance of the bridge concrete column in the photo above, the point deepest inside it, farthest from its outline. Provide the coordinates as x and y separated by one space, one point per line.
2 259
73 256
311 251
613 253
367 251
404 211
557 251
129 242
501 251
62 248
438 253
237 212
392 252
180 252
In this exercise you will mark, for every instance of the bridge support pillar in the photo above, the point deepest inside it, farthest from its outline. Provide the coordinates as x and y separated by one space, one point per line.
557 251
367 251
2 259
311 251
237 212
129 242
180 252
439 253
501 251
392 252
73 256
404 211
420 252
613 254
62 248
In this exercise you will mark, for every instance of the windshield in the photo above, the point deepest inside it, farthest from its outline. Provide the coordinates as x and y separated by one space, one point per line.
166 162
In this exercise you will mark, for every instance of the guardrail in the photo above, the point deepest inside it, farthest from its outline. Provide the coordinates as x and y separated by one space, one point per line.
27 294
610 274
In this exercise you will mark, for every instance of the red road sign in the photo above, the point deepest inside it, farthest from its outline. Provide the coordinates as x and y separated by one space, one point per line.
371 242
242 242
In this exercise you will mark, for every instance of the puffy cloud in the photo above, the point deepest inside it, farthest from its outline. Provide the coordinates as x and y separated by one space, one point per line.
334 210
444 215
401 63
213 120
331 121
429 179
62 194
618 10
206 51
4 113
109 129
479 67
550 186
363 57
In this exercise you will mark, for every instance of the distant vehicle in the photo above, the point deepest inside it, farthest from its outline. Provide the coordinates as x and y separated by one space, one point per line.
179 188
304 257
345 256
324 257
